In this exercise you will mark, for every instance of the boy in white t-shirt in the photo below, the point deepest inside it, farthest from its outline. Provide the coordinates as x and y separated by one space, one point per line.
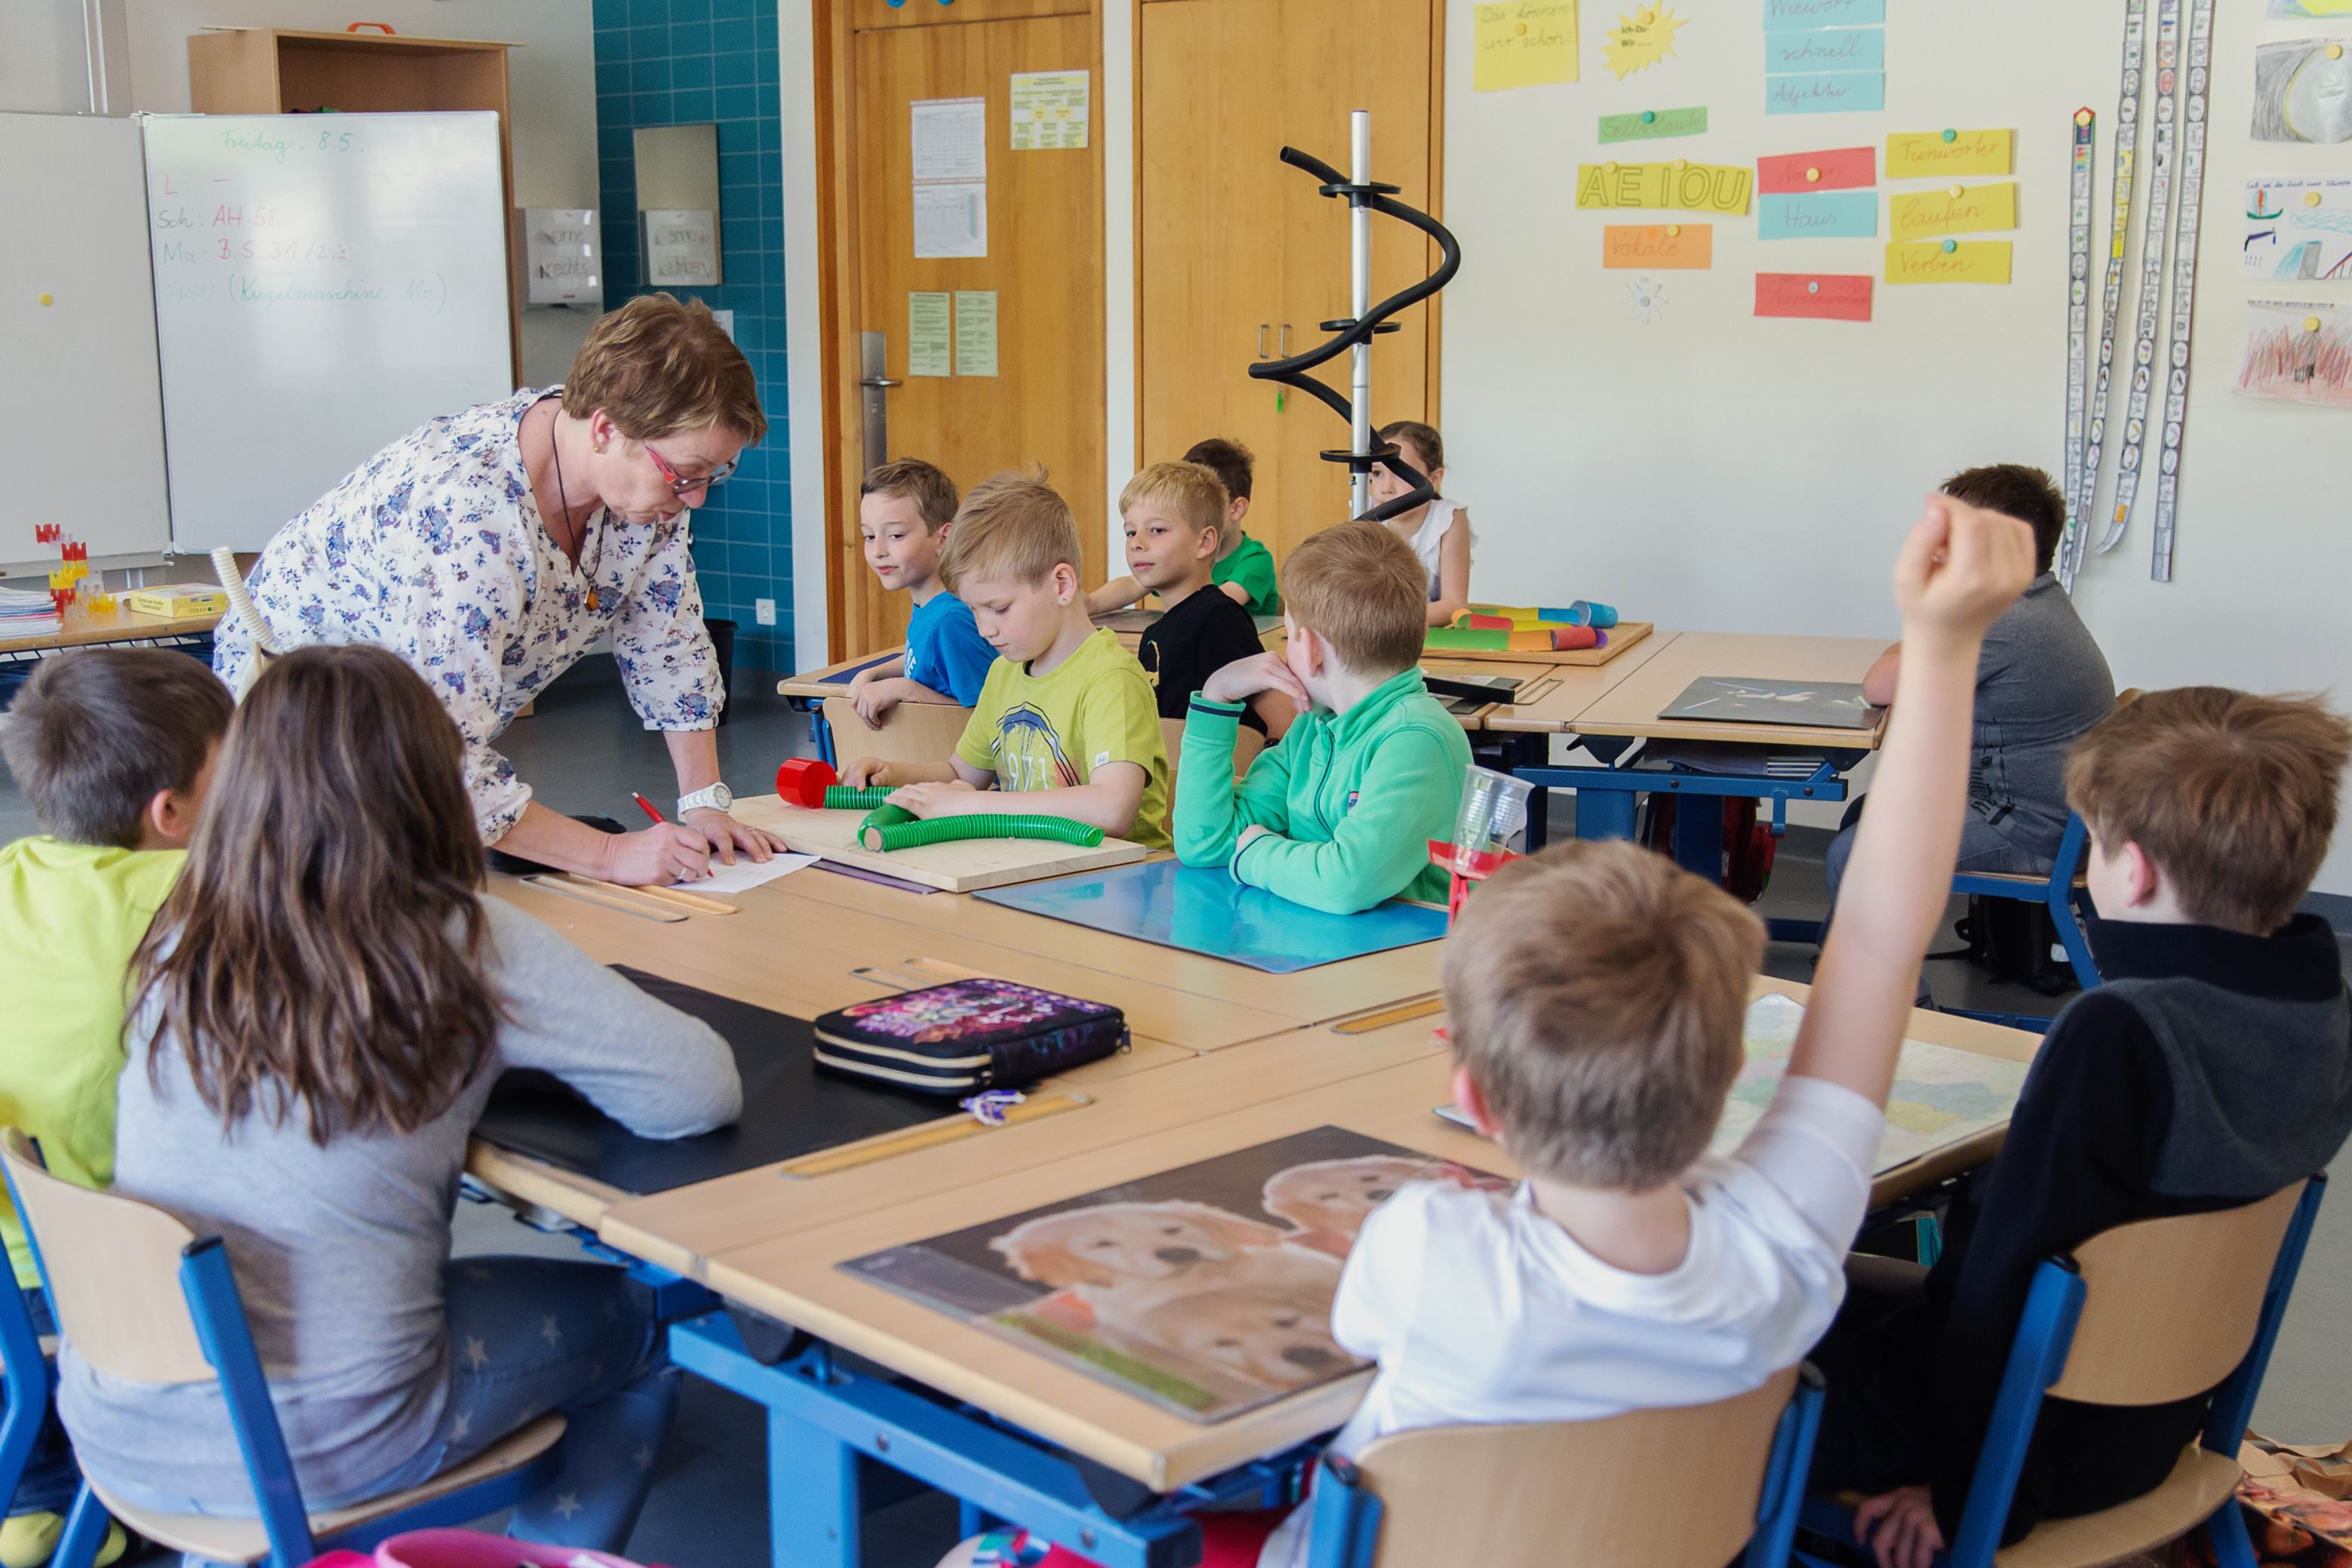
1596 996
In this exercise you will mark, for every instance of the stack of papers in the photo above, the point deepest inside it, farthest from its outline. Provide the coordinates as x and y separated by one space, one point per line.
29 612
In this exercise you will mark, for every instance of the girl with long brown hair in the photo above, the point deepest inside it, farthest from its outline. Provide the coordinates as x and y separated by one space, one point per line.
321 1011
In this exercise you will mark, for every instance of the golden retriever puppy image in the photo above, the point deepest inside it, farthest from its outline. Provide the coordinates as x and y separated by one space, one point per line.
1274 1329
1328 1200
1137 1253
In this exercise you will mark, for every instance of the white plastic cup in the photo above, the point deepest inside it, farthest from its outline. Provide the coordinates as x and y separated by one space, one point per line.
1494 809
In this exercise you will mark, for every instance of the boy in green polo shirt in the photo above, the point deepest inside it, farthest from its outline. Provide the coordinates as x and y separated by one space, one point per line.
113 747
1340 816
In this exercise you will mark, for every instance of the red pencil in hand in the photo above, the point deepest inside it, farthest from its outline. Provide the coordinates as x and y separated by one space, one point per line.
647 805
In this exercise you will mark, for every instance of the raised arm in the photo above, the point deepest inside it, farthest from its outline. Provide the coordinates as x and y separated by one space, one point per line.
1959 571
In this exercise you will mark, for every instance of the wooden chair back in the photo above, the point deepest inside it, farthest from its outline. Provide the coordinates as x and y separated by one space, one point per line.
1247 745
910 732
113 1270
1667 1488
2170 1306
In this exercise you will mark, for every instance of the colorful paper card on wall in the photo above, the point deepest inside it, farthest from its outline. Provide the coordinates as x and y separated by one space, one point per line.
1829 297
975 332
1842 49
2299 228
1652 123
1828 214
1962 209
1796 16
1658 246
1523 43
2311 7
1831 92
2297 352
1949 261
1844 169
1924 154
1693 187
1643 37
928 336
2302 90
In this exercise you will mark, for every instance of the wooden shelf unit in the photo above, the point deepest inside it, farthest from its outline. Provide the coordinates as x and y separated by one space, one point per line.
279 70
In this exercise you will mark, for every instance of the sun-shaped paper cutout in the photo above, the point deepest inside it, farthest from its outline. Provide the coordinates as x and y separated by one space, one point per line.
1640 38
1646 298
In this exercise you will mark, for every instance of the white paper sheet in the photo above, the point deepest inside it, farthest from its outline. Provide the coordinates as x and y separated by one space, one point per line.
745 874
952 219
950 139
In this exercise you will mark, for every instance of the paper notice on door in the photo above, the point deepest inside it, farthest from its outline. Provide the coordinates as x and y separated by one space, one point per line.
1050 109
927 333
975 332
952 219
950 139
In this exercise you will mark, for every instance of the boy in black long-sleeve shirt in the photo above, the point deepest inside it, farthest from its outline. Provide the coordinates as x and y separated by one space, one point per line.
2213 1067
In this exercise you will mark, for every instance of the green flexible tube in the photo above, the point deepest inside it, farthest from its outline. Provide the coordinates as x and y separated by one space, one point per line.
884 815
942 829
841 797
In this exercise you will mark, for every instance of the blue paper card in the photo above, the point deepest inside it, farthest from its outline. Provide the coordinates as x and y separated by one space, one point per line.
1207 912
1837 94
1818 214
1797 15
1840 49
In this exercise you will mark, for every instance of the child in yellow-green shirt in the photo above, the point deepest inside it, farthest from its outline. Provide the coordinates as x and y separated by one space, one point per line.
1065 707
113 747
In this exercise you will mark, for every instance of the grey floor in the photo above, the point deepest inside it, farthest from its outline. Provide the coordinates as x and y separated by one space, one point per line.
584 752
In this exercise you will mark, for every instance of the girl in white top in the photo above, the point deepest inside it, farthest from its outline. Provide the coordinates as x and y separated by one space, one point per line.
1439 530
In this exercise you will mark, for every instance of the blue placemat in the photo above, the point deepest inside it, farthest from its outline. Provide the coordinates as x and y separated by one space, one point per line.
843 677
1207 912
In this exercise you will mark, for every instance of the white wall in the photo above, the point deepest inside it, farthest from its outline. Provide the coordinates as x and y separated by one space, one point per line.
1716 473
552 79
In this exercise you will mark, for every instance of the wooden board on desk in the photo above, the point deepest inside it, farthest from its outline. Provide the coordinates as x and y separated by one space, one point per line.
1633 705
1551 705
1622 637
84 626
962 867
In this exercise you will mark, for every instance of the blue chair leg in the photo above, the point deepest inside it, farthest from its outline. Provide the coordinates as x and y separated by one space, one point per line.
85 1532
2067 915
2227 1531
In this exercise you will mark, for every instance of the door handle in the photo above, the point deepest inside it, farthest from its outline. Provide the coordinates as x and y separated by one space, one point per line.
881 383
874 404
1262 327
1285 339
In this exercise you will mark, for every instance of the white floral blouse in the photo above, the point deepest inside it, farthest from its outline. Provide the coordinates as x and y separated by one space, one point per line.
433 549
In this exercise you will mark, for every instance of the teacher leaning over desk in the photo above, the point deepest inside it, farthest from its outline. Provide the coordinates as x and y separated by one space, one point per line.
491 547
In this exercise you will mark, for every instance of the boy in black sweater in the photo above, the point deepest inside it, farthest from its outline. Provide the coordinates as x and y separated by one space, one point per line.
2212 1067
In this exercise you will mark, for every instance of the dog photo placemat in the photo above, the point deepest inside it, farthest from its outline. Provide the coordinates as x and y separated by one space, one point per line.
1206 1288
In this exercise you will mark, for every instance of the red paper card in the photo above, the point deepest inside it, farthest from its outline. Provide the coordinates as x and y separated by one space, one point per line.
1846 169
1831 297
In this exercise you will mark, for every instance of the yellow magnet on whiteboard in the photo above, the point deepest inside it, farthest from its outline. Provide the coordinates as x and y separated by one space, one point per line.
2311 323
1681 162
2311 198
1958 191
1674 231
1813 176
1519 30
48 299
2083 117
2334 51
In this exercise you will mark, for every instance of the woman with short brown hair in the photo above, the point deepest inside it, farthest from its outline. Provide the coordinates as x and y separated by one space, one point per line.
491 548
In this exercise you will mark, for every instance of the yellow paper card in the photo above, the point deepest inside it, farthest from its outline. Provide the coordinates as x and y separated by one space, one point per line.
1949 261
1641 37
1976 210
1924 154
1524 42
1693 187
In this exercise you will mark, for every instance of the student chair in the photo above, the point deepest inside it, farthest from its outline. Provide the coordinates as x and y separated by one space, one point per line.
1247 745
2063 891
111 1267
910 732
1692 1488
2148 1312
29 1381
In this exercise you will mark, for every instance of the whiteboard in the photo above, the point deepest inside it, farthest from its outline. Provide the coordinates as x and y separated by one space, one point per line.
324 284
81 422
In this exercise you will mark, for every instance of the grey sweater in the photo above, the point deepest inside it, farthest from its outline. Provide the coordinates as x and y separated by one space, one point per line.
338 1251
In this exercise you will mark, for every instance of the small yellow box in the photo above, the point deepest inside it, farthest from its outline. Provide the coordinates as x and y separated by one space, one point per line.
176 599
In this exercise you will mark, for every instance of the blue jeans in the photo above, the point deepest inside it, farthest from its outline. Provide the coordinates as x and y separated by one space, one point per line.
528 1336
51 1477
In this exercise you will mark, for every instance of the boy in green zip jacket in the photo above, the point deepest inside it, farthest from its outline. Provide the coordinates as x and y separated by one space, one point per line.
1338 816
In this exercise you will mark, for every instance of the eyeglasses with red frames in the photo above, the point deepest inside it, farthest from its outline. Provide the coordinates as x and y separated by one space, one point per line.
685 487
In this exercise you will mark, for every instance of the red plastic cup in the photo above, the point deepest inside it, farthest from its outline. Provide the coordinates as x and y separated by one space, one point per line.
803 780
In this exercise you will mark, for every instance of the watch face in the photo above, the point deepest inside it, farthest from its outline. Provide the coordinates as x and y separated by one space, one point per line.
721 796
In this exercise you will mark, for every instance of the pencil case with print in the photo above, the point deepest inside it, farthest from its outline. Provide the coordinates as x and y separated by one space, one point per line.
966 1035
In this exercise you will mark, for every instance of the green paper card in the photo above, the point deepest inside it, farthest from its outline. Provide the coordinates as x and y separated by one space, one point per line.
1652 123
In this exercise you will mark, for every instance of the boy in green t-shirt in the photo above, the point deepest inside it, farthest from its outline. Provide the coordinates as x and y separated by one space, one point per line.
1245 568
114 748
1340 816
1064 707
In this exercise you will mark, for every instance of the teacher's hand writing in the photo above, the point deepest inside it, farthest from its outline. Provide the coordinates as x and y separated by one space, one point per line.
725 835
670 852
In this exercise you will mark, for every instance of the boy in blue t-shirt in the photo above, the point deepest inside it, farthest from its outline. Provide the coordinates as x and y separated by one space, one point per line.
903 512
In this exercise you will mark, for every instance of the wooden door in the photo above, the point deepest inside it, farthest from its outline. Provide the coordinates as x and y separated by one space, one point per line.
1231 237
1344 54
1044 263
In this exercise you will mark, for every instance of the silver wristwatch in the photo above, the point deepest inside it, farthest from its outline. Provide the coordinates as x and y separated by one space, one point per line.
718 796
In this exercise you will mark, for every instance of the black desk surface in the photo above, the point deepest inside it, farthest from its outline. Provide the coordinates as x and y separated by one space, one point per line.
790 1109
